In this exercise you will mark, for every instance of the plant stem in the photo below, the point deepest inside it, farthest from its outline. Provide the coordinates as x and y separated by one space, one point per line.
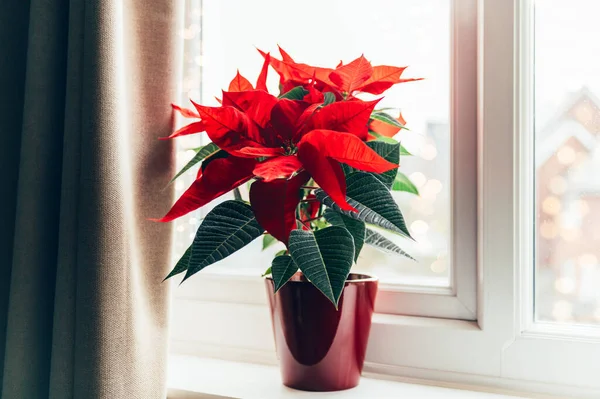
237 194
312 220
320 210
304 224
309 187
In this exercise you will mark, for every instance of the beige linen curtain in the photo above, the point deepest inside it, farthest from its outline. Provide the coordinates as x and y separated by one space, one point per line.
85 88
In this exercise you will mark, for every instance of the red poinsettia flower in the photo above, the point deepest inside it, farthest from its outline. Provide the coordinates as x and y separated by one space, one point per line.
273 140
356 76
314 136
283 143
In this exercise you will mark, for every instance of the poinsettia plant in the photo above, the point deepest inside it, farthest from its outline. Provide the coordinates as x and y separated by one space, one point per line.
320 162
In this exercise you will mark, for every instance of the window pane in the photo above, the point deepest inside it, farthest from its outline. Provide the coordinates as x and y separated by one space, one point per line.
414 32
567 118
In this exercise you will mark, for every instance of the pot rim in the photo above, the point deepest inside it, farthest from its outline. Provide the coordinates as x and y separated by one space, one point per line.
362 278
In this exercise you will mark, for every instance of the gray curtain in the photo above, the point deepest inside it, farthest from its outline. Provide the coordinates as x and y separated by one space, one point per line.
85 88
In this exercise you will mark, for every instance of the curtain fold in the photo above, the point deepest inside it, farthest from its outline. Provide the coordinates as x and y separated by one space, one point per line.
86 87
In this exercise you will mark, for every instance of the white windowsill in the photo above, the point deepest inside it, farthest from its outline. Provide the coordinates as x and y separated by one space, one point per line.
195 378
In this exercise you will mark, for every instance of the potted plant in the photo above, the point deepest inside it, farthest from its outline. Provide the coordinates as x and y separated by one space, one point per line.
320 163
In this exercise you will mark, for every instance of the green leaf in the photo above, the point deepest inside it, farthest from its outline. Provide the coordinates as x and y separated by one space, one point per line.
282 268
384 139
391 153
325 257
297 93
329 98
388 151
402 183
267 272
355 227
237 194
282 252
386 118
182 263
404 151
373 201
268 240
348 170
229 227
319 224
201 153
378 241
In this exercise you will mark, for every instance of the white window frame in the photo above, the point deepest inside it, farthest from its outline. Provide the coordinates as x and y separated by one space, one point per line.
459 301
226 316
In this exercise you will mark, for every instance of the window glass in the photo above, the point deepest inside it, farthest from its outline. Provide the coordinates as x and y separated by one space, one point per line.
567 160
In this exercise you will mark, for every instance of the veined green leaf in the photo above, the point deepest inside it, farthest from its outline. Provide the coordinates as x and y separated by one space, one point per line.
390 152
386 118
202 152
373 201
229 227
389 140
268 240
355 227
182 263
329 98
403 183
378 241
325 257
319 224
297 93
382 138
348 170
282 268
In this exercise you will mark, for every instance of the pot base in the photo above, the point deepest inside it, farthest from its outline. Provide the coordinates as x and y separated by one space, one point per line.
320 348
315 387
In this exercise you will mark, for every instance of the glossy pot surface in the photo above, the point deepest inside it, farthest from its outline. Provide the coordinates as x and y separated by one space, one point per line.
321 348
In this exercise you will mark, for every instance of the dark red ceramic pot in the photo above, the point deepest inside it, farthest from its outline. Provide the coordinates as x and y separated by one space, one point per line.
321 348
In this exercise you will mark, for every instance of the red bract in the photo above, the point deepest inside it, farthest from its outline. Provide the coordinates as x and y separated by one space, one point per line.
346 148
240 83
326 172
261 83
274 204
283 143
289 70
356 76
345 116
385 129
186 113
194 127
277 168
284 117
219 177
348 78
